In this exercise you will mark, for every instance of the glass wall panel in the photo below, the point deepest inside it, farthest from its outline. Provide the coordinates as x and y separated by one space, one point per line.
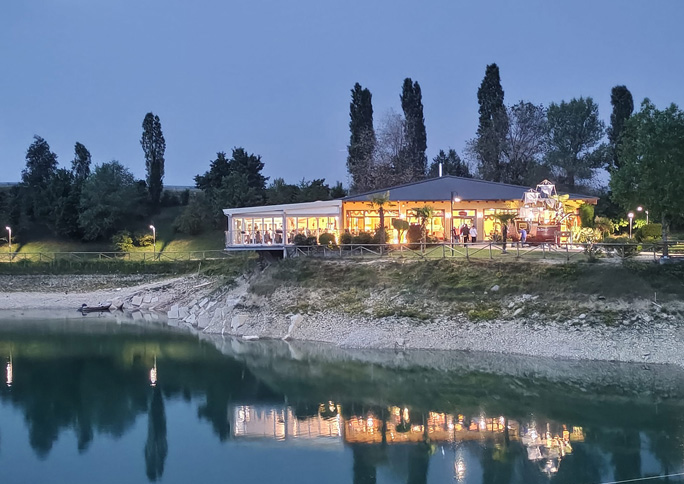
256 230
436 226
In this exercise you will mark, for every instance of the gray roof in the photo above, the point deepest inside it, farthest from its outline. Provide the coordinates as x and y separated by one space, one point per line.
467 189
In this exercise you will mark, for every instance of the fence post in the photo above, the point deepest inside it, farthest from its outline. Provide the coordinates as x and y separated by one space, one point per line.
490 251
517 251
443 252
466 248
567 253
543 251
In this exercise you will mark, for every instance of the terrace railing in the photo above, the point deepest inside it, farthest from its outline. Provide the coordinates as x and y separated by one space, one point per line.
491 251
51 257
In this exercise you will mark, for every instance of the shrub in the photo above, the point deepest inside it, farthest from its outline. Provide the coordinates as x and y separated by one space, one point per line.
649 233
122 241
327 239
586 214
143 240
362 238
413 234
604 225
301 239
346 238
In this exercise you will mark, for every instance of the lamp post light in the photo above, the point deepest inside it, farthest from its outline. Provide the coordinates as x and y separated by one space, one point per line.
9 239
641 209
154 240
454 198
631 217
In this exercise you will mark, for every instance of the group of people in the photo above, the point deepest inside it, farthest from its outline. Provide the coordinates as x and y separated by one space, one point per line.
464 234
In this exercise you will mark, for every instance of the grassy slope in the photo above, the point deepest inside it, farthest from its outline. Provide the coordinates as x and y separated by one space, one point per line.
430 289
167 239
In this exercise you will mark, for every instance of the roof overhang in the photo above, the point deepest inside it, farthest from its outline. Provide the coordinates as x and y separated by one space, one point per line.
330 208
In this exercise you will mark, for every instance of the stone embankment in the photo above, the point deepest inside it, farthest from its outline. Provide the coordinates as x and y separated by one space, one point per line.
638 332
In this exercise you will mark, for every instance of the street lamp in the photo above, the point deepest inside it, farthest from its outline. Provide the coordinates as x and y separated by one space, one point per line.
631 217
154 240
641 209
9 239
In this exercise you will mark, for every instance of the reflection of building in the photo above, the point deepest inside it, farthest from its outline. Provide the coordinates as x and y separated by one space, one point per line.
281 423
455 201
546 443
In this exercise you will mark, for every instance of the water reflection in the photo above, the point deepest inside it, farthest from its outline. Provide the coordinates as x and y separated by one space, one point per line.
382 424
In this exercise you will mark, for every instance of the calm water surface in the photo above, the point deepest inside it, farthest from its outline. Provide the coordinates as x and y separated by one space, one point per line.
94 401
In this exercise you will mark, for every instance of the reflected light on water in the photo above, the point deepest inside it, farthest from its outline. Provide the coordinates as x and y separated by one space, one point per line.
9 372
153 373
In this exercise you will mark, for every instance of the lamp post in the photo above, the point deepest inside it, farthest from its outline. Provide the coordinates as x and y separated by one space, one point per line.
9 239
154 240
631 217
454 198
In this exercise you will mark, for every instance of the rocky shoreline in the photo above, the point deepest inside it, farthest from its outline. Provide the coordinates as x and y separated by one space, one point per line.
639 331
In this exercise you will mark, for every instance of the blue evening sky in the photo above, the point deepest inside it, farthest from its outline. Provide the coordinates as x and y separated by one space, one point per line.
274 76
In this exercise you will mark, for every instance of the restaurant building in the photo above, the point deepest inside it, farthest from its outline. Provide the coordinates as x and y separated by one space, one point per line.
455 201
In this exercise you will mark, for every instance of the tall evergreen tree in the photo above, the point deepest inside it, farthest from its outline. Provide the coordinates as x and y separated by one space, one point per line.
362 139
623 107
493 126
154 146
80 166
415 135
41 166
575 133
451 165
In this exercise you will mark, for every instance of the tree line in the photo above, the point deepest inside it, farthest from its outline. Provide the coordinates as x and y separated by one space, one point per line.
524 143
85 202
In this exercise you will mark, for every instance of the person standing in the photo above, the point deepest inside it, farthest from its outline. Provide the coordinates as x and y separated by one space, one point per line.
473 234
523 236
464 233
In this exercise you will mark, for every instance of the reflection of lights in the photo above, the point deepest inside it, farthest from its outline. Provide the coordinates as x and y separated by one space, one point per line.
9 372
483 424
406 415
153 373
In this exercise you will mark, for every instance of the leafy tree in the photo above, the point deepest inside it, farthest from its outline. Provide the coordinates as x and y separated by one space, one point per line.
338 191
110 200
154 147
279 192
575 132
525 143
218 168
652 172
195 217
401 226
489 144
63 196
413 157
362 140
389 167
80 165
623 107
237 182
451 165
313 190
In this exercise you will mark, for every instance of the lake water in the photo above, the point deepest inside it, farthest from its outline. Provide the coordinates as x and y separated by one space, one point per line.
97 401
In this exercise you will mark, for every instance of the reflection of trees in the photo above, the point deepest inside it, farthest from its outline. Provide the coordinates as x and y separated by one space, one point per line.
366 459
583 465
156 446
419 459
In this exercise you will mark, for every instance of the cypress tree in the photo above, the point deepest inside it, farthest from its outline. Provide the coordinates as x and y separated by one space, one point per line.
154 146
362 139
493 126
623 107
80 165
413 158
